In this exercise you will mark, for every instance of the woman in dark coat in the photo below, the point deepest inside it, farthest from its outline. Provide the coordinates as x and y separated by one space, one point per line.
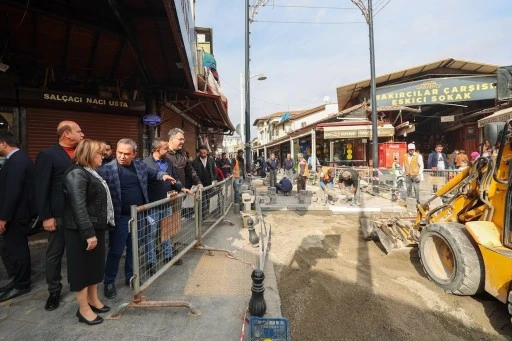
87 212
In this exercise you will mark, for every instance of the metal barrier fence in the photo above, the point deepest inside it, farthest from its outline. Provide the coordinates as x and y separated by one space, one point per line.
165 230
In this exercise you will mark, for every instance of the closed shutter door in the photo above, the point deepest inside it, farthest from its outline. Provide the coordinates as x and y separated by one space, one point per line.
190 137
42 127
172 120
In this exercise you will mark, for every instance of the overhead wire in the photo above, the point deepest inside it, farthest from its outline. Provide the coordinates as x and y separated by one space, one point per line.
315 7
310 22
380 9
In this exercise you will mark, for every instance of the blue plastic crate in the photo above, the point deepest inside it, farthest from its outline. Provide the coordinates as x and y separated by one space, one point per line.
267 328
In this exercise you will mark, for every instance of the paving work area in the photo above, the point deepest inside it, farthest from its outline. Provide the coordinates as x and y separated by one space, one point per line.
334 285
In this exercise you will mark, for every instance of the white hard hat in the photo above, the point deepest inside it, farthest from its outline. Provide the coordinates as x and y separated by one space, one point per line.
411 146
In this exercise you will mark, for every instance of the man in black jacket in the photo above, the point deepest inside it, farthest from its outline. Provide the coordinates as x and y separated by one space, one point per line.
158 190
184 169
205 169
50 167
16 183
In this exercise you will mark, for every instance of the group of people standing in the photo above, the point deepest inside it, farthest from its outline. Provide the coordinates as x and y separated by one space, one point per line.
80 192
437 161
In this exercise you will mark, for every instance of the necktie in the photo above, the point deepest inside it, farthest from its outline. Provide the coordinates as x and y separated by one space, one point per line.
5 162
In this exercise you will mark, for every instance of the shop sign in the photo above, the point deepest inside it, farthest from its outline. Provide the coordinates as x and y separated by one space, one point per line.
152 120
449 118
358 133
84 99
438 91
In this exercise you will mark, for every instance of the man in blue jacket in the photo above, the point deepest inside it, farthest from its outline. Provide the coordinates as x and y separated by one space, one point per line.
158 190
437 161
127 180
284 185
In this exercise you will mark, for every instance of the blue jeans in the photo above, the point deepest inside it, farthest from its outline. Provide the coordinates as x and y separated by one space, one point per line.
150 237
326 191
237 182
119 237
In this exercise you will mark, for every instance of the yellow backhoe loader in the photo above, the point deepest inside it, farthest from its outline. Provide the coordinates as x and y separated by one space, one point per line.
465 244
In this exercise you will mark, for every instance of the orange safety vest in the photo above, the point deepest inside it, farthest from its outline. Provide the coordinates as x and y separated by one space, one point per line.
306 169
236 170
325 172
412 168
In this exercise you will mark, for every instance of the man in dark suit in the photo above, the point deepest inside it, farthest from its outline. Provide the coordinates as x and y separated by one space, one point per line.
16 183
205 169
50 167
127 180
158 190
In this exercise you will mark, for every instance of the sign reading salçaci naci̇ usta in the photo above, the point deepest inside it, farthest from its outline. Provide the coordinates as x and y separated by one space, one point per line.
83 99
438 91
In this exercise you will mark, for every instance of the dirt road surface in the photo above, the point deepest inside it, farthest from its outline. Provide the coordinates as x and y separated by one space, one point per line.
334 285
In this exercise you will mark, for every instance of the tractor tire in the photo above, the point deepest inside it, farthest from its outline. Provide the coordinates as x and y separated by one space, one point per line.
451 259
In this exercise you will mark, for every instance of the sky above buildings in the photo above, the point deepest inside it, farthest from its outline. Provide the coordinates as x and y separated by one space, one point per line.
305 63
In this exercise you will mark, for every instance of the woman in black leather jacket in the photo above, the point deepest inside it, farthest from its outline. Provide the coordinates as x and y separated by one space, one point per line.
87 213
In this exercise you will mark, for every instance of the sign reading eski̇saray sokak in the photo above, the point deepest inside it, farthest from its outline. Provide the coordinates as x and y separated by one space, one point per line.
438 91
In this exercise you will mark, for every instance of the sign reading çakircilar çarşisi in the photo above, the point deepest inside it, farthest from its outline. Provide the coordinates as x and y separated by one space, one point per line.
438 91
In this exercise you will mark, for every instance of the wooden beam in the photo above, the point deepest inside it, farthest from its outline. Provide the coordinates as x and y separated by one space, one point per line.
66 48
125 22
82 19
93 52
115 63
161 45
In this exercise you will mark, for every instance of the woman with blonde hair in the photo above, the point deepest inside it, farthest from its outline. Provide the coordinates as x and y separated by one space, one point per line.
88 211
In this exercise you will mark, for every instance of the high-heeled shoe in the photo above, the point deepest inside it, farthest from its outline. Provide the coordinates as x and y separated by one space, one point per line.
104 309
82 319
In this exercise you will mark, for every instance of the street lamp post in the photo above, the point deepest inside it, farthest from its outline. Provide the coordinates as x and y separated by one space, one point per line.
243 85
368 14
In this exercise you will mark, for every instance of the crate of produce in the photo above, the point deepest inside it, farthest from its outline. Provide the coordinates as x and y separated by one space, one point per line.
268 329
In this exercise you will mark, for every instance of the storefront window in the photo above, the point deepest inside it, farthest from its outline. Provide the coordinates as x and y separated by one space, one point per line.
346 152
6 124
6 121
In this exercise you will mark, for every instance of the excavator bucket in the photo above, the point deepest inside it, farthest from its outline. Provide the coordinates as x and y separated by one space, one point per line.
393 233
385 241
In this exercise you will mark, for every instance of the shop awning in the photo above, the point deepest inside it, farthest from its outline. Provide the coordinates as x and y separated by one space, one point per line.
499 116
356 131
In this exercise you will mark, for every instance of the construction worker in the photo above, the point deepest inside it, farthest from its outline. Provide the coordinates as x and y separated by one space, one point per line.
413 169
326 184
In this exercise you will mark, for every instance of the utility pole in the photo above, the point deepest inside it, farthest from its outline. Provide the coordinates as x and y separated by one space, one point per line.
247 88
368 14
249 17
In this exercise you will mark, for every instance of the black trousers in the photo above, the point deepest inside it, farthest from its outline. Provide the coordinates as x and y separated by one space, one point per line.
8 263
54 253
19 254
